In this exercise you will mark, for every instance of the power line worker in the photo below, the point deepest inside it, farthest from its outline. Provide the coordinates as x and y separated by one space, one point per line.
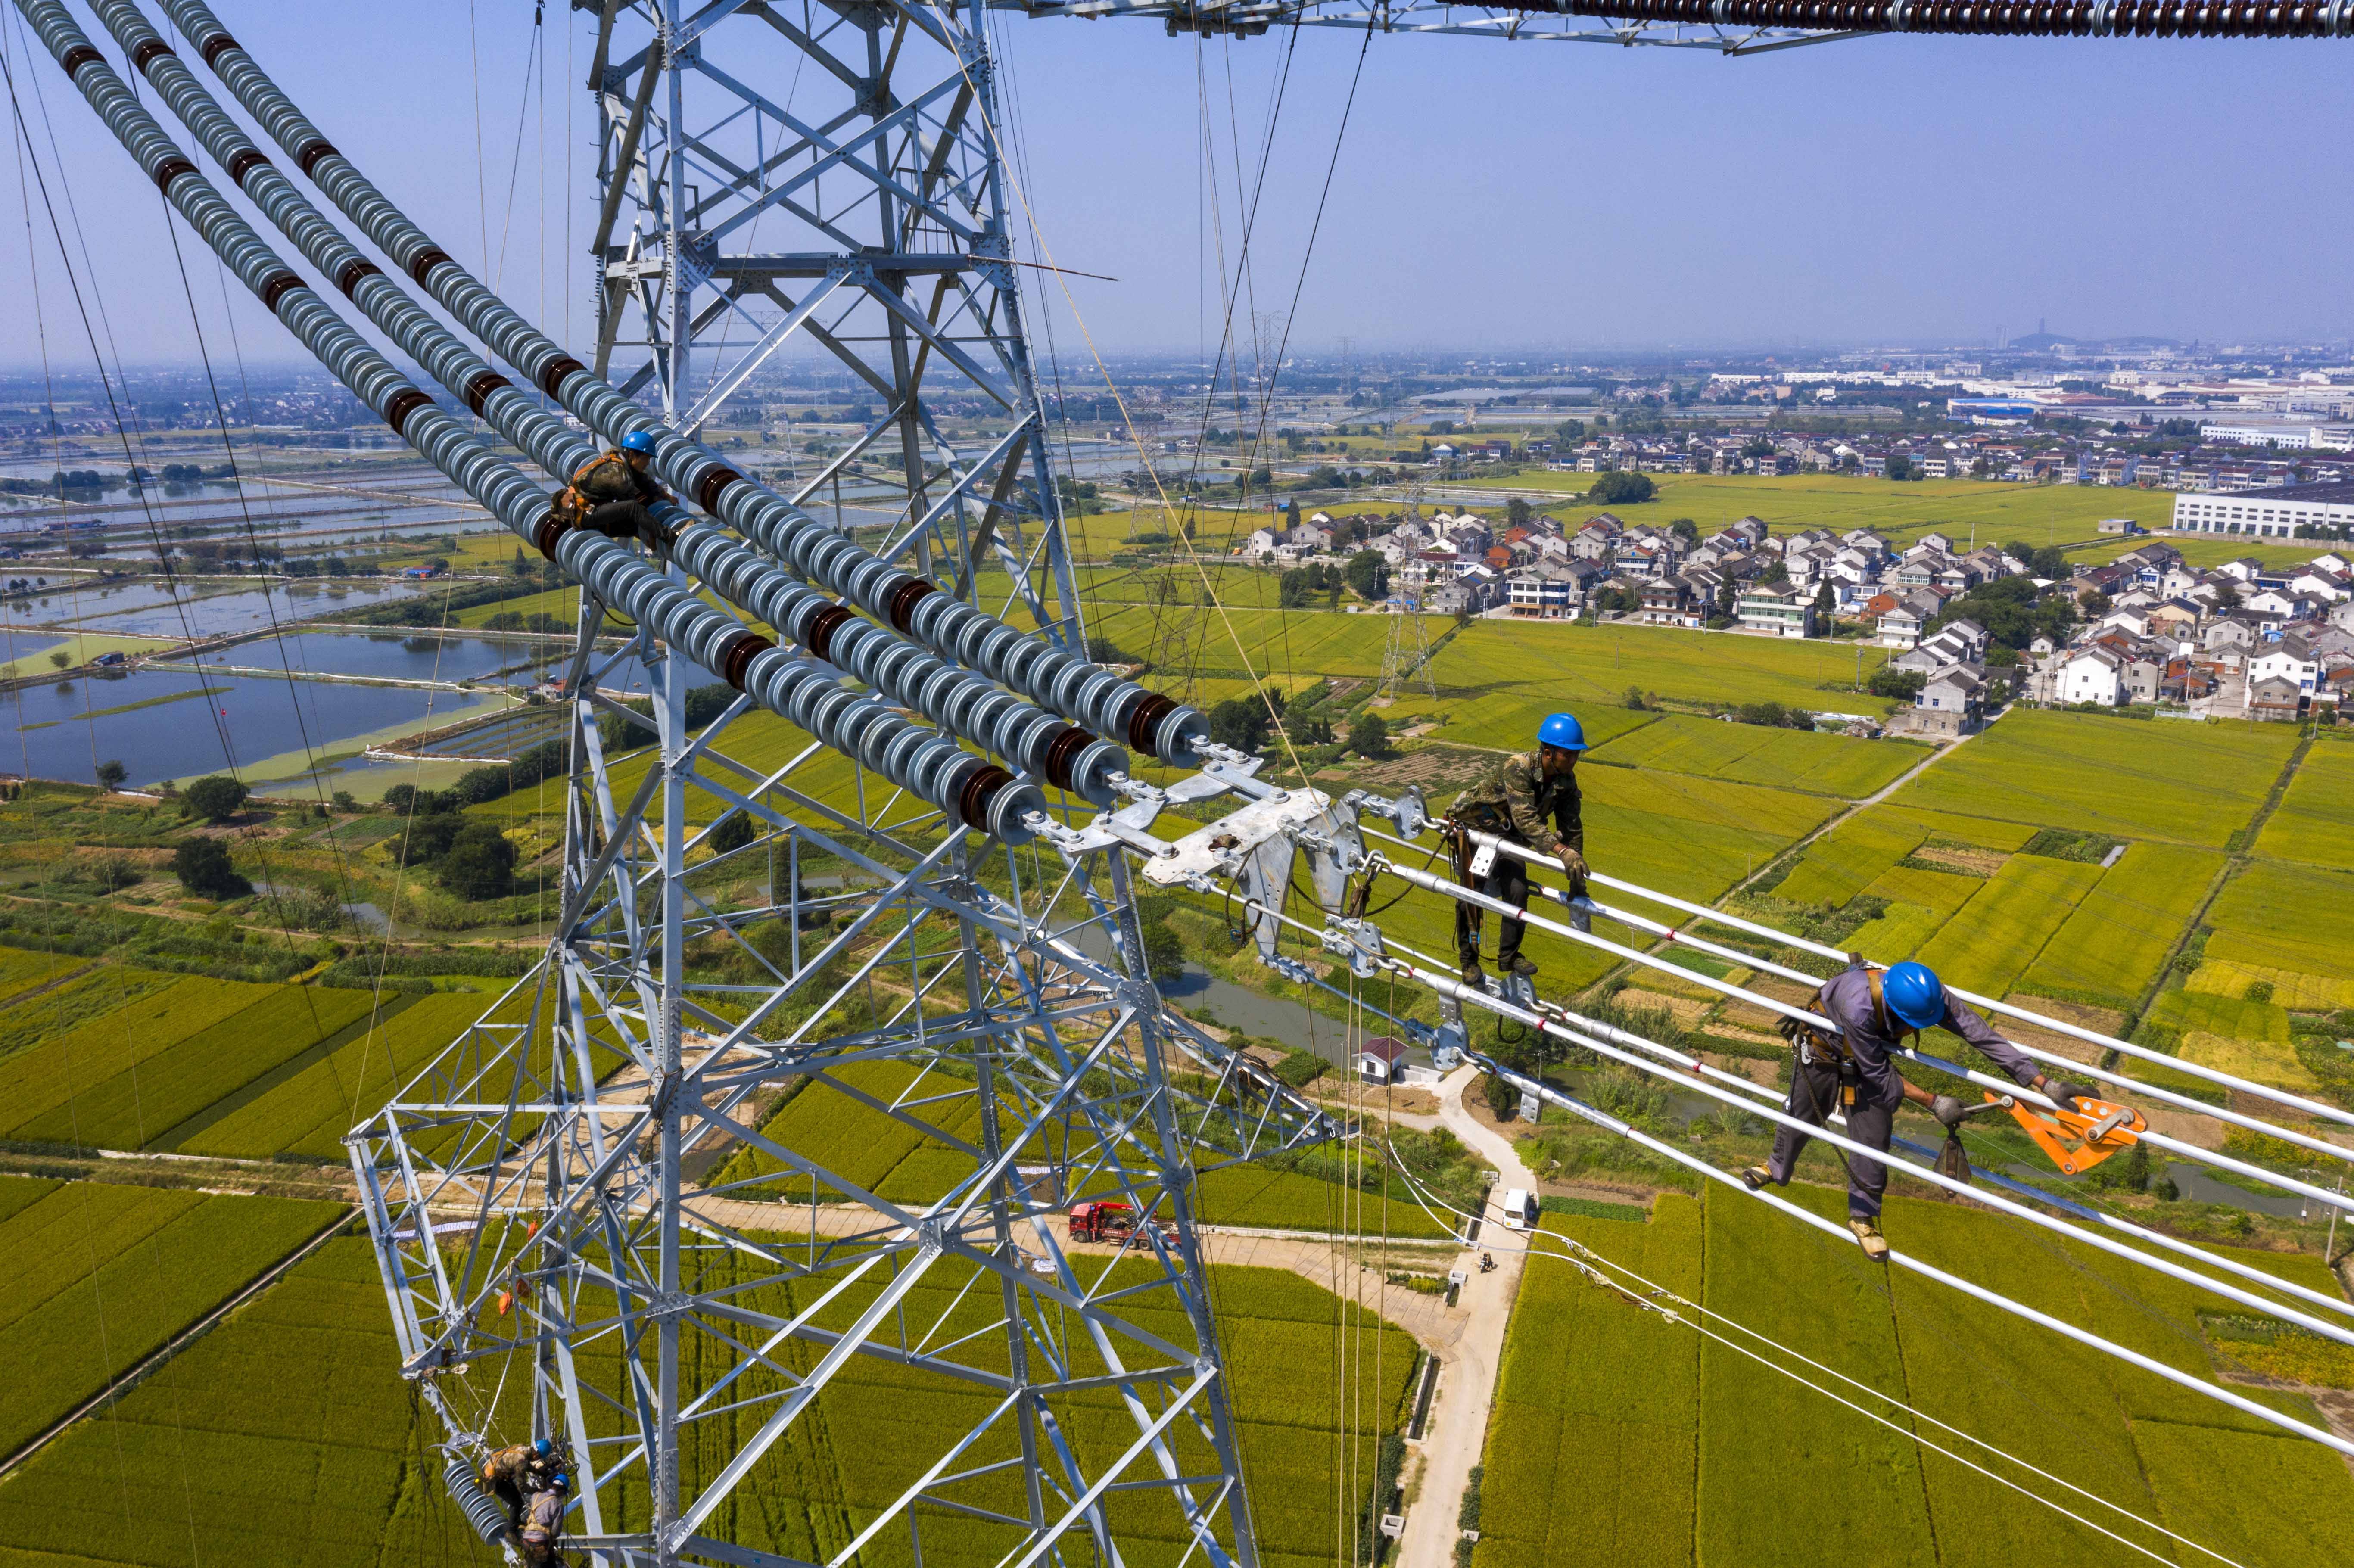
610 495
543 1522
1529 798
515 1472
1852 1072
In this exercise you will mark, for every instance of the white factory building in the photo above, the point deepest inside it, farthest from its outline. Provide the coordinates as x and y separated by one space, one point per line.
2268 514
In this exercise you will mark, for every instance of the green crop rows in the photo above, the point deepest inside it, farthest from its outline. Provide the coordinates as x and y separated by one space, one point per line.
1847 860
2110 950
1755 754
2001 930
2285 916
76 1003
2314 820
99 1276
2191 783
328 1468
309 1112
20 971
1619 1438
123 1080
1577 1470
888 1157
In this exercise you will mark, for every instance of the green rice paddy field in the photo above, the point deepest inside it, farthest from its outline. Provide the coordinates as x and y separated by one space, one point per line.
222 1457
1621 1437
2229 872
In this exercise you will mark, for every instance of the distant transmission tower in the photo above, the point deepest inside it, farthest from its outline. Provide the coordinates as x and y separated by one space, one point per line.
1405 662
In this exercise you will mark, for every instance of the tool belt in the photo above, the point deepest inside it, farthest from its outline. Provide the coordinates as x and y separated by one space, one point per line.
1819 1048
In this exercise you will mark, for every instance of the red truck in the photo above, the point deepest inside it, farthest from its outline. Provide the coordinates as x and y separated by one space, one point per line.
1108 1221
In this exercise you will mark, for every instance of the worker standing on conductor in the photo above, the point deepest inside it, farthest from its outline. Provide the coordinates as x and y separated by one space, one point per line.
1853 1074
1529 798
611 494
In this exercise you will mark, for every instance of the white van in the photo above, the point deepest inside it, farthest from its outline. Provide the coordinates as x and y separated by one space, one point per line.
1519 1207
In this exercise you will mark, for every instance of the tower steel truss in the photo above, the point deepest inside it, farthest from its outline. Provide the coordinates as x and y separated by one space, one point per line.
779 177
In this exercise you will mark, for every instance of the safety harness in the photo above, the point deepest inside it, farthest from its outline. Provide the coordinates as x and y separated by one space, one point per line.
1817 1045
570 505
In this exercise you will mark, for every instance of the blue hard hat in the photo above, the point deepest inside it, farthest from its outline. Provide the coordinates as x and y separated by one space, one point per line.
1564 731
543 1448
563 1481
1914 994
639 442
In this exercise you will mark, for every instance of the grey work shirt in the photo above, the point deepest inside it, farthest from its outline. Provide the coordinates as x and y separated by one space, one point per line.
1846 1000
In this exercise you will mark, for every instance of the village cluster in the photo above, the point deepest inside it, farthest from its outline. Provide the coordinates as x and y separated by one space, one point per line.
1973 622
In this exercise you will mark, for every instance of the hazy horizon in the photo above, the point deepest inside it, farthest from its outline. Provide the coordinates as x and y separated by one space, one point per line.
1894 193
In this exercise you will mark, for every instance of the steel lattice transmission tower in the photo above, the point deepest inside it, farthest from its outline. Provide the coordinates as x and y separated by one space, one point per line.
777 176
542 1197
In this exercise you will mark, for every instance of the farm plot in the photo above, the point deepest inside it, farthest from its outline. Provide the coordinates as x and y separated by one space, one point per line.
2315 819
2114 945
2162 1454
1590 668
1597 1400
2042 514
43 1098
1179 639
284 1471
1755 754
308 1112
1851 856
1258 1196
2006 926
2193 784
186 1072
1898 934
2234 1017
2297 992
1504 716
1803 1291
2280 916
75 1003
835 1128
142 1262
20 971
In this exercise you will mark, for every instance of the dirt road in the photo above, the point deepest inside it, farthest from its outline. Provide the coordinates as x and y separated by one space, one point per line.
1467 1386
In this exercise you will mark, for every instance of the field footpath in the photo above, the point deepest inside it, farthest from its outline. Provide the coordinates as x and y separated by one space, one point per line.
1457 1432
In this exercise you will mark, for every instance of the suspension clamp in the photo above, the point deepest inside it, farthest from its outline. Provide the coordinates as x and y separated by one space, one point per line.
1358 941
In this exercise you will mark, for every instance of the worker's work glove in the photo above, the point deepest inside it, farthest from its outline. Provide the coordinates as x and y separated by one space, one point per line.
2067 1094
1949 1110
1573 864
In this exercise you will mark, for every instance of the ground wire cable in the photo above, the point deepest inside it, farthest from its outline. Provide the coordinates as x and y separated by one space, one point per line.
1258 683
1427 1199
277 898
277 631
90 334
89 1246
514 166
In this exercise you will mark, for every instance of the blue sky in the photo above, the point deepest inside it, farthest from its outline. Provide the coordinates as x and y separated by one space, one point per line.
1487 194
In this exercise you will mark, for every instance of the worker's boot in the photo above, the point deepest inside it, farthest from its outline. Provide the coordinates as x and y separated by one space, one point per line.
1875 1246
1756 1177
1473 975
1516 964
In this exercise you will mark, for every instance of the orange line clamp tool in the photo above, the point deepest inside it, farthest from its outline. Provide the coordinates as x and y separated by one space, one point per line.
2099 1128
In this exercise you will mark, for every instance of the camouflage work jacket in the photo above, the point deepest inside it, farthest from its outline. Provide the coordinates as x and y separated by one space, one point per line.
1515 797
